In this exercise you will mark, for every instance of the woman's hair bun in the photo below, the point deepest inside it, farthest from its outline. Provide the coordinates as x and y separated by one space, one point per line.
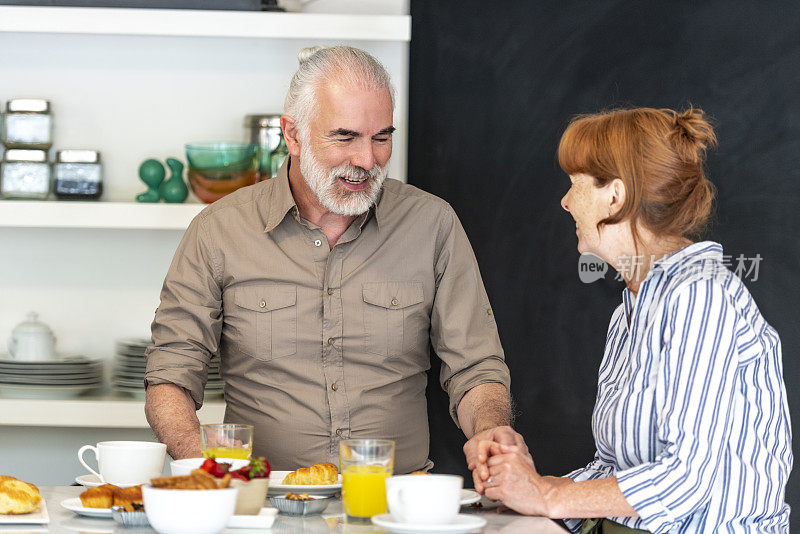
691 134
304 54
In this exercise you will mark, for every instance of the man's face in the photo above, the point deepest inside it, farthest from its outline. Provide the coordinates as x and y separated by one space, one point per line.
346 147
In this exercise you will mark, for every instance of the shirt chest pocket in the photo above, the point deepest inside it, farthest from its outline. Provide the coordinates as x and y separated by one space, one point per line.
395 320
270 320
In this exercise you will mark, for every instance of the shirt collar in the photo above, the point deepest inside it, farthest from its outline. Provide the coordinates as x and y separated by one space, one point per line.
694 253
671 263
282 201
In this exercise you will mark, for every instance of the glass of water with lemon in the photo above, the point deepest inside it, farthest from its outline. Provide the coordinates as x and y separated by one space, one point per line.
226 440
365 466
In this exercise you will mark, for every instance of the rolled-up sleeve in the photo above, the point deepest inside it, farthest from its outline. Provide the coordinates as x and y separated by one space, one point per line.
187 324
699 363
463 329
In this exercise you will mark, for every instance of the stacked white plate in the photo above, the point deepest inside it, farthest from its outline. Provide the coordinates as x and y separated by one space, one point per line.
63 378
128 376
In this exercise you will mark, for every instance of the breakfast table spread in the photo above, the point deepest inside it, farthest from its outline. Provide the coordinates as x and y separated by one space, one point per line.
63 521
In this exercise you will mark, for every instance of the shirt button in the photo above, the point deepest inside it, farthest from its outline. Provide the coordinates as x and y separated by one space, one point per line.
394 302
339 432
330 291
263 303
318 243
331 341
334 387
488 312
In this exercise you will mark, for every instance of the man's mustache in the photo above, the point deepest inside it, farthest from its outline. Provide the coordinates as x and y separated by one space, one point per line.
354 172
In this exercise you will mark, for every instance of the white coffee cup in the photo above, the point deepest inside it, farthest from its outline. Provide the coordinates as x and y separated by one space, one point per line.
126 463
424 499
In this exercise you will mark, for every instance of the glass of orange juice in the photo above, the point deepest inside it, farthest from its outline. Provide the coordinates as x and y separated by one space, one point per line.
365 465
226 440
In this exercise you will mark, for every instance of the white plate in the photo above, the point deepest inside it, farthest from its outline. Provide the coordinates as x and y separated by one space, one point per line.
55 371
49 381
60 361
469 496
38 517
263 519
44 392
92 481
276 488
463 523
75 505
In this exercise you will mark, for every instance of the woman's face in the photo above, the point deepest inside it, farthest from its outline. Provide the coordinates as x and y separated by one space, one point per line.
588 205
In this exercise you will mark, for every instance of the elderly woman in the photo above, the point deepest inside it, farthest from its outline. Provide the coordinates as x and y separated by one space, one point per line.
691 421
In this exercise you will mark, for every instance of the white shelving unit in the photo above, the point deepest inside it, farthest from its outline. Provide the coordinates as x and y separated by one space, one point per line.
136 84
116 215
89 412
197 23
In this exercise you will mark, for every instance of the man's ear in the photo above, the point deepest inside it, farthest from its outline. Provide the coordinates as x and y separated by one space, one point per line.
290 134
617 198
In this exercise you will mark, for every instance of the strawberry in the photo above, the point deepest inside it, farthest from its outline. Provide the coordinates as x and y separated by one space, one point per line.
240 476
259 468
220 469
208 465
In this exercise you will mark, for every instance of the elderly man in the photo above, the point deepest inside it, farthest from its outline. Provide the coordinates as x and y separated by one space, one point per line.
321 290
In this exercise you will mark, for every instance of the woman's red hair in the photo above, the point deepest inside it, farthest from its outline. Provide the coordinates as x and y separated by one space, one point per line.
658 154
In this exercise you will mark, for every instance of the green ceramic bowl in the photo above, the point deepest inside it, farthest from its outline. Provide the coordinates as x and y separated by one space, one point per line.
221 157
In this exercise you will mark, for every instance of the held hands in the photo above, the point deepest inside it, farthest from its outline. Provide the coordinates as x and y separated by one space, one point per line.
477 451
503 470
513 479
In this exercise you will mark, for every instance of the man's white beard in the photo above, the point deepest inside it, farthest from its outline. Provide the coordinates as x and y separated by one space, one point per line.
333 196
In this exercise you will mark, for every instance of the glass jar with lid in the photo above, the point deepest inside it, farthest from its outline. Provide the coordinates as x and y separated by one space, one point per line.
25 174
27 123
78 174
277 156
264 132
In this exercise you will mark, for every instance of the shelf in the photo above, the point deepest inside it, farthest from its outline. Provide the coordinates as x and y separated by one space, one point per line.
68 214
89 412
197 23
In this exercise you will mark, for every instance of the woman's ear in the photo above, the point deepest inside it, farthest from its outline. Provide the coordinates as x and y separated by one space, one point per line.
617 197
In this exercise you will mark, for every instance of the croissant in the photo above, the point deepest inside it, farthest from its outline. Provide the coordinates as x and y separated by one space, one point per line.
99 497
324 473
18 497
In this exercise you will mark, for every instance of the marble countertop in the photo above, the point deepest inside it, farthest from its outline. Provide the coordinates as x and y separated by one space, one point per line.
63 521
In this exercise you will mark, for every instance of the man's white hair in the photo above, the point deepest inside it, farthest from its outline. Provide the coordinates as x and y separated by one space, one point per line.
339 63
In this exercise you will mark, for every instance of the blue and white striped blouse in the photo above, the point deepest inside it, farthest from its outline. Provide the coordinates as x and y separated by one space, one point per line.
691 413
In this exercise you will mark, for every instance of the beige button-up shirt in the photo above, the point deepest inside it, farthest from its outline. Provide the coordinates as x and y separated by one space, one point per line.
320 344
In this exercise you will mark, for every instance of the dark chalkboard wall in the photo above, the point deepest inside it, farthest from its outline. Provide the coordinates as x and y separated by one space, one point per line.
493 85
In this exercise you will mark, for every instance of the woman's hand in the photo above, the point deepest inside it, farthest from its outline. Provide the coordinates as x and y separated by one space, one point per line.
477 451
513 479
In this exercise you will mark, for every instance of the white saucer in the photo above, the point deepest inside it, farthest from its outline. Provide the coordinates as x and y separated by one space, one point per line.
92 481
276 487
75 505
469 496
463 523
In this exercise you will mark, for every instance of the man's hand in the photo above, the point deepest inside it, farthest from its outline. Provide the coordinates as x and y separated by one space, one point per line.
478 449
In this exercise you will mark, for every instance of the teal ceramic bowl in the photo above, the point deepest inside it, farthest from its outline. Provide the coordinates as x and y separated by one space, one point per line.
221 157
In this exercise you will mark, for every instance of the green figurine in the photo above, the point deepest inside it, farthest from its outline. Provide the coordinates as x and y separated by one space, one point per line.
152 173
174 190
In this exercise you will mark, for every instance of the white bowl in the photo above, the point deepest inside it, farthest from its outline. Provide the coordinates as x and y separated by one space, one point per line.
175 511
185 466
